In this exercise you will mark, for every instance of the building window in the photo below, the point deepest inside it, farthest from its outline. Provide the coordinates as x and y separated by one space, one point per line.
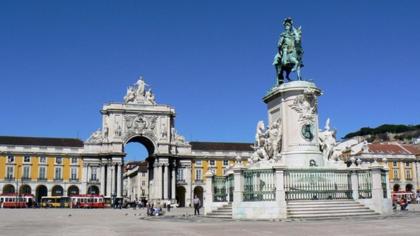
26 172
198 173
212 162
407 164
9 174
10 158
93 174
73 160
396 174
26 159
225 162
42 172
408 174
58 173
42 159
143 183
73 173
58 160
198 163
394 163
180 174
143 174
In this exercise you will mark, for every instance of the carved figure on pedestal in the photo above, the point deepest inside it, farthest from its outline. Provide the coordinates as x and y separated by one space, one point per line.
276 136
327 140
141 87
176 138
150 98
96 137
163 131
260 134
267 142
118 131
290 52
130 96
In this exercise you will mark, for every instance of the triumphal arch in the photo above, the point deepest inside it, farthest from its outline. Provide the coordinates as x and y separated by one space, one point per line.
138 119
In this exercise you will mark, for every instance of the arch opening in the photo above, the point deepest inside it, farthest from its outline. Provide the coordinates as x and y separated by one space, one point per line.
40 191
73 190
180 196
93 190
198 191
25 189
57 190
134 150
8 189
396 187
409 188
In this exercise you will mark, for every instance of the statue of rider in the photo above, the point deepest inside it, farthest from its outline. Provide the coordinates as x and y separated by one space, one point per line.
290 52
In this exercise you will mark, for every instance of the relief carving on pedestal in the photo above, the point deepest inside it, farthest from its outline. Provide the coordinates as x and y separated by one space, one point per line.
306 106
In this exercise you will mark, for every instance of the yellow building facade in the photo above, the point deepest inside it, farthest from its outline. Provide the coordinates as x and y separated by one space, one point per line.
45 167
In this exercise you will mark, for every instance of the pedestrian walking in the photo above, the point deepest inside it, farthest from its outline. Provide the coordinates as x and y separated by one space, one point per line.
197 203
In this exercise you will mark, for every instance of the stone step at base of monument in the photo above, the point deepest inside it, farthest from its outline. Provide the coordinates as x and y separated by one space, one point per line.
224 212
323 202
320 209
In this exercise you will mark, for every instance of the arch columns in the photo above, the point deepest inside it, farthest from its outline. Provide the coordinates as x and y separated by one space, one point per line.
165 181
173 184
103 179
118 179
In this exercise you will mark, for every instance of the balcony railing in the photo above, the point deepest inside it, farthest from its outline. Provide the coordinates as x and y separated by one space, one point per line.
57 179
181 182
74 180
42 179
9 178
93 180
26 178
199 181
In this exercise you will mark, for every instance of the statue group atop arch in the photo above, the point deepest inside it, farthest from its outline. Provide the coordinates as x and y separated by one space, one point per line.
138 94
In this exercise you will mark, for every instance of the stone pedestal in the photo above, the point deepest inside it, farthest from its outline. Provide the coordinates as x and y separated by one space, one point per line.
294 106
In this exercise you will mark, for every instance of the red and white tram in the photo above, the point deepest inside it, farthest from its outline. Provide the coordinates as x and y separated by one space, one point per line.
87 201
14 200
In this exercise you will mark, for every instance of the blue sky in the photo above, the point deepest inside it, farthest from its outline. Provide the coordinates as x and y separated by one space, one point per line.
210 60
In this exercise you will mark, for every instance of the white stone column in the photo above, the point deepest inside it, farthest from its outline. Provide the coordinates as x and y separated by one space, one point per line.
103 179
154 194
118 180
381 205
159 182
238 192
111 173
85 179
280 191
188 192
354 183
165 181
208 193
173 184
108 180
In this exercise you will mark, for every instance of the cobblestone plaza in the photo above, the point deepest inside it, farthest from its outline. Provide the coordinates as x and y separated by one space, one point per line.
180 221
